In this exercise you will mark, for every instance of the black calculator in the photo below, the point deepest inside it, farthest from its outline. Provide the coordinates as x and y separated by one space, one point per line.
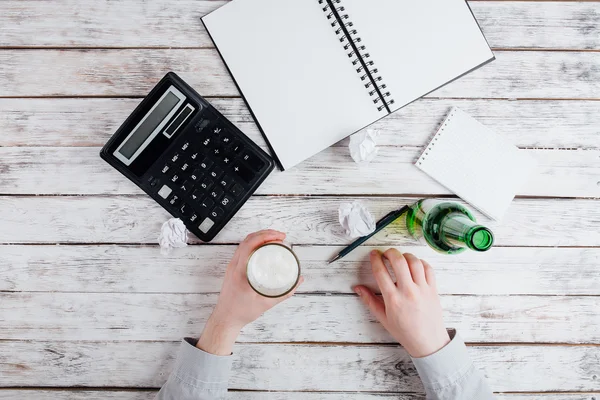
188 157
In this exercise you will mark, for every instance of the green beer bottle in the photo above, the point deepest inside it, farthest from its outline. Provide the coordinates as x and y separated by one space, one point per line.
447 227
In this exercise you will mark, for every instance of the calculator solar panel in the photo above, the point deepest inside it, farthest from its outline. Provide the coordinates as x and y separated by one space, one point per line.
188 157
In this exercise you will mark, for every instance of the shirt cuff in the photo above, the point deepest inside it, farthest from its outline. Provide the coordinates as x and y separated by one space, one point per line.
446 366
201 369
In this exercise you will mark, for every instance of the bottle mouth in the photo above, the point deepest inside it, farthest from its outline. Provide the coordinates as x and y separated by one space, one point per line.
481 239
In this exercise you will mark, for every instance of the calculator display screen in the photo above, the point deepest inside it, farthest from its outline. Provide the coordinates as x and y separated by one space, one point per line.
151 122
155 120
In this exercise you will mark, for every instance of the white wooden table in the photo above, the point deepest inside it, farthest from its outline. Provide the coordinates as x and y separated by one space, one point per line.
89 309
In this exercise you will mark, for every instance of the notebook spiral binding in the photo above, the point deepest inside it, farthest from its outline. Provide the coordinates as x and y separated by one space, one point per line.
357 52
435 137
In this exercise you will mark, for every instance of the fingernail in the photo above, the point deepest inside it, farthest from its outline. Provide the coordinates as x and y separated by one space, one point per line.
358 291
374 252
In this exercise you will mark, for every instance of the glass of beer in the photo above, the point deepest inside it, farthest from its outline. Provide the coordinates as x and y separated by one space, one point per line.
273 270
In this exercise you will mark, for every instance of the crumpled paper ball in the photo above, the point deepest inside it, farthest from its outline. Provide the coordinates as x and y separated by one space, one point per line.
356 220
173 234
363 146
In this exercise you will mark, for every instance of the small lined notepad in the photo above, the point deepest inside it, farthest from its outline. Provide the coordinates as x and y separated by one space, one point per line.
475 163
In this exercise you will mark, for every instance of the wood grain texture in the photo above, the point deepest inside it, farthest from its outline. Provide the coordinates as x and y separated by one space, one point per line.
199 269
133 72
112 315
76 394
80 170
303 318
293 367
556 25
308 220
90 122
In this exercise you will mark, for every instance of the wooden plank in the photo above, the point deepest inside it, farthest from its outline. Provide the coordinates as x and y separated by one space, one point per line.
199 269
79 170
109 72
90 122
506 270
506 24
331 319
106 23
292 367
529 222
10 394
126 73
535 24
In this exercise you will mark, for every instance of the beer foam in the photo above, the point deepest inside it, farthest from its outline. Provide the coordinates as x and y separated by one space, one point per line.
273 270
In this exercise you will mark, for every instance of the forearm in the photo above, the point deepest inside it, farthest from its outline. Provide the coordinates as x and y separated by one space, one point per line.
218 337
450 374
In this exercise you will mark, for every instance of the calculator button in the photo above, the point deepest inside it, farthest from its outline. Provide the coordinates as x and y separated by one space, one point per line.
193 217
174 200
218 152
206 225
165 191
237 190
243 172
175 158
217 212
216 172
185 167
216 193
194 156
207 204
217 130
155 182
253 161
185 186
186 210
237 148
175 178
225 182
185 146
196 175
206 163
226 201
226 138
202 124
206 183
165 169
197 194
207 143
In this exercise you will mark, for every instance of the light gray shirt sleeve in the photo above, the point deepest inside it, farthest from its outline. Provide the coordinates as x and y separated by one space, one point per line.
450 374
197 375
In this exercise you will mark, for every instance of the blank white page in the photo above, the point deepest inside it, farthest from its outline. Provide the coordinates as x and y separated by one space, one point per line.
294 74
418 45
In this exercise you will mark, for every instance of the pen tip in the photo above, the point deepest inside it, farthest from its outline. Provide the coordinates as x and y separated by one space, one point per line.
334 259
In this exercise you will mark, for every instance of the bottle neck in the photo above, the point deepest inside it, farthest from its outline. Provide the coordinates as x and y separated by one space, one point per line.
459 230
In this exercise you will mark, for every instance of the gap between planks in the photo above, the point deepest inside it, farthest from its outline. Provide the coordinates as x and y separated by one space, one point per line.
315 344
130 393
41 48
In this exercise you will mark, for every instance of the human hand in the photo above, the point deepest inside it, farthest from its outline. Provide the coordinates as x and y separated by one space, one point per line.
238 303
409 309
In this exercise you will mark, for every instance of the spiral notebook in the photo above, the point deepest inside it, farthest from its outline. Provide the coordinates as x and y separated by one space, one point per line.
313 72
477 164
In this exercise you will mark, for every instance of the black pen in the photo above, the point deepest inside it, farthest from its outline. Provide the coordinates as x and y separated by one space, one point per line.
382 223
